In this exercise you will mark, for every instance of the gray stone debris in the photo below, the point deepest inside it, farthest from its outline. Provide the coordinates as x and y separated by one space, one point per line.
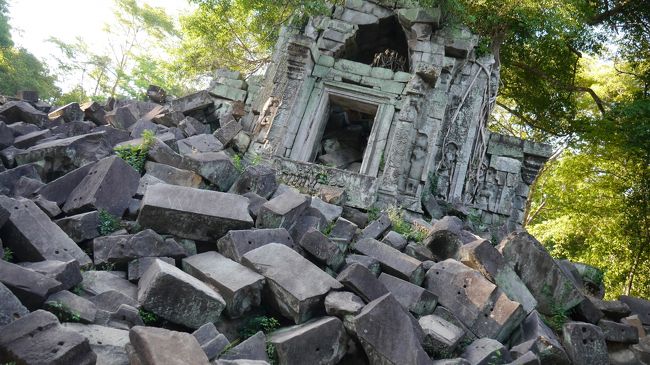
612 309
253 348
109 185
153 346
395 240
212 342
72 306
67 273
38 338
199 144
34 237
322 249
474 300
98 282
258 179
368 262
544 278
173 176
482 256
618 332
192 213
392 261
486 351
108 343
140 265
11 308
440 337
343 231
377 228
341 304
178 297
362 282
295 286
534 335
639 307
240 286
379 324
282 211
585 344
415 299
321 341
29 286
124 248
80 227
237 242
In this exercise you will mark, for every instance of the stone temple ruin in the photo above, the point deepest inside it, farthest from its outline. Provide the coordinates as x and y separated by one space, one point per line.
389 105
133 232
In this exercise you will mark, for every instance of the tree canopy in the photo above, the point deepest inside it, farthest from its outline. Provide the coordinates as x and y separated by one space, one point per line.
19 69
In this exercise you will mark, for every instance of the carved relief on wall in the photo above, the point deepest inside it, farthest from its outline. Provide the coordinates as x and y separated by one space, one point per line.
418 161
447 169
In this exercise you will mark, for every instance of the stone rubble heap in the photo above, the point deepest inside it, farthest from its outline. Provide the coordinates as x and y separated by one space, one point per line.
209 244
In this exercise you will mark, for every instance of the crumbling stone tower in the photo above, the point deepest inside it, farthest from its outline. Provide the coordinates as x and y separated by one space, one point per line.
383 101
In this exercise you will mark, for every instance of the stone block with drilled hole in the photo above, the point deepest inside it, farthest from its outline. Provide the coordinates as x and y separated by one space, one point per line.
10 306
585 344
124 248
258 179
415 299
39 338
108 343
237 242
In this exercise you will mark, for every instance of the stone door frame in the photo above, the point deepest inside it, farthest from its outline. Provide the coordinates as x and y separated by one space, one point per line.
314 121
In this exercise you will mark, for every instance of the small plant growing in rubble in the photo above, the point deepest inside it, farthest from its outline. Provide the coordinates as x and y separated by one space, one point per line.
410 231
256 324
108 223
148 318
8 255
136 155
63 313
238 162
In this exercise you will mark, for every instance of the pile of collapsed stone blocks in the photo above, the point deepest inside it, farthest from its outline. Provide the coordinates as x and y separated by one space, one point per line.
208 242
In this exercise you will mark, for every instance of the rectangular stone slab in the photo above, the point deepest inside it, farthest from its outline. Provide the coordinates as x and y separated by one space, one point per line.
240 286
110 184
392 261
178 297
38 338
236 243
32 236
545 279
193 213
296 287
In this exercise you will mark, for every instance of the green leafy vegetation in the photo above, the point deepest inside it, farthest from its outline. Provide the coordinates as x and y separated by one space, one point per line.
63 313
373 213
108 223
238 162
148 317
8 254
327 230
410 231
136 155
256 324
272 354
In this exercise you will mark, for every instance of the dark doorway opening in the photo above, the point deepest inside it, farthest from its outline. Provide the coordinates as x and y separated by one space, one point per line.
381 45
346 133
